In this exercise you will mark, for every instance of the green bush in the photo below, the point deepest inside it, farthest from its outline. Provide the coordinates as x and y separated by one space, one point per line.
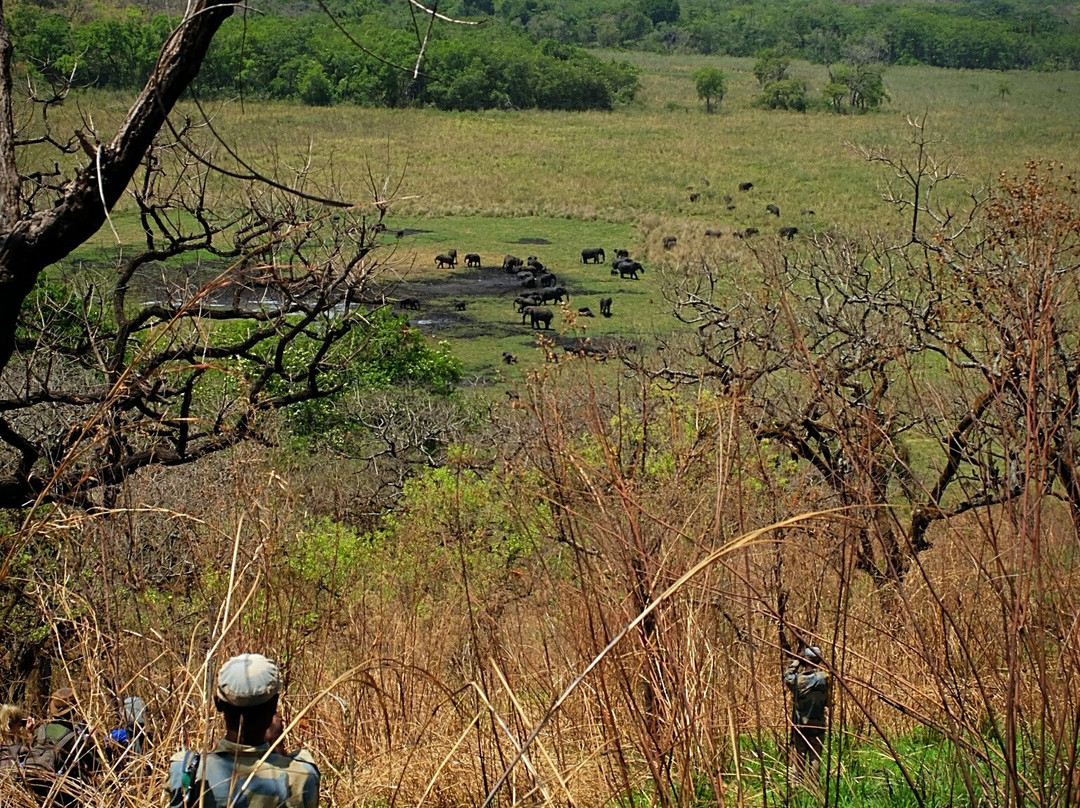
786 94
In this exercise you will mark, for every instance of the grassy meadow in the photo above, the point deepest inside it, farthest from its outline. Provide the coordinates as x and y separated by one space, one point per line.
587 601
483 182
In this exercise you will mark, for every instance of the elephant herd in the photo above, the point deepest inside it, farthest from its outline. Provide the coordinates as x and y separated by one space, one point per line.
539 284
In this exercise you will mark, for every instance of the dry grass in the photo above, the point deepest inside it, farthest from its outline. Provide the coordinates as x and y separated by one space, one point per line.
613 590
432 652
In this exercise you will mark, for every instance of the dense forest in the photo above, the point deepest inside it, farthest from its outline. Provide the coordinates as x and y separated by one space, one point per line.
959 33
523 54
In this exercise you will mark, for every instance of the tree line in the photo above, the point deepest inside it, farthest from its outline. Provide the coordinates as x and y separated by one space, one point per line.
321 61
999 35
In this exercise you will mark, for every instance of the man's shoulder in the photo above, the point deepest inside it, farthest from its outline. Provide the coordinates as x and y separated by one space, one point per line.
299 764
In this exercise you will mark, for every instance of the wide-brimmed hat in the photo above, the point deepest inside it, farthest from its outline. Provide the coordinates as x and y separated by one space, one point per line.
62 703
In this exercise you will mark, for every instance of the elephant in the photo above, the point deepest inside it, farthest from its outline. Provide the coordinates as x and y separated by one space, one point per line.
620 253
533 264
585 311
508 358
593 255
547 279
695 196
670 242
557 294
713 233
630 269
512 262
410 303
530 283
526 300
773 209
750 231
472 259
788 232
745 186
537 315
605 306
446 259
460 305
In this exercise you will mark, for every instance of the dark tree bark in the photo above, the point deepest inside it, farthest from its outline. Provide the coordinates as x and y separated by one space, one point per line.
30 242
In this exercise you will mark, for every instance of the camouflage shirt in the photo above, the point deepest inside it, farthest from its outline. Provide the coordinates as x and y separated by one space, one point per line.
232 776
809 694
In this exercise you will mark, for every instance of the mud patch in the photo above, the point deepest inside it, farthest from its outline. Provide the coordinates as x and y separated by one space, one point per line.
531 241
410 231
462 285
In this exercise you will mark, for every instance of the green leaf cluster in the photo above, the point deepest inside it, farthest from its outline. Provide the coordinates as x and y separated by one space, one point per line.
380 352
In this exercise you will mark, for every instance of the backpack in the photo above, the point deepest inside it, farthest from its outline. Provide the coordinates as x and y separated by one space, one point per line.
55 749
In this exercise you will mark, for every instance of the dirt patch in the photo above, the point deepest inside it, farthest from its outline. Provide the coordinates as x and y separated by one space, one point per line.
472 283
410 231
531 241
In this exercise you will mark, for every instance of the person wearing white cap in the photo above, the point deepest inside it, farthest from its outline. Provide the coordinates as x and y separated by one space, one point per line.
245 770
809 686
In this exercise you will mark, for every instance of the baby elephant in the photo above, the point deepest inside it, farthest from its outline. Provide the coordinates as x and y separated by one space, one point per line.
508 358
605 306
446 259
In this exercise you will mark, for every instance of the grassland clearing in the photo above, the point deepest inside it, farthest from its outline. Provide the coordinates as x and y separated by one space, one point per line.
481 182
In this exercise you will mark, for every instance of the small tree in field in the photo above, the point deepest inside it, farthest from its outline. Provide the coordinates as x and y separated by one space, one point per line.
710 85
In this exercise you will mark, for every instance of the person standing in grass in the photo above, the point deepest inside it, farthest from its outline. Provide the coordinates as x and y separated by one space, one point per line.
809 686
245 770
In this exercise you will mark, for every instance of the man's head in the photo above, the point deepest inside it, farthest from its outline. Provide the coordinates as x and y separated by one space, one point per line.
247 696
812 655
62 704
12 720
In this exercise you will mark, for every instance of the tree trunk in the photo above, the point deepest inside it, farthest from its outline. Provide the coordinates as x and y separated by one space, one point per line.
30 243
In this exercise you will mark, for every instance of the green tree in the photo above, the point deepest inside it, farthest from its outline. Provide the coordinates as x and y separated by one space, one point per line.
633 24
772 65
785 94
834 94
860 84
711 85
315 88
607 32
660 11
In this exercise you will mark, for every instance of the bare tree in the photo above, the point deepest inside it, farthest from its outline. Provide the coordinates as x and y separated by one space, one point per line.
35 232
224 314
921 377
164 357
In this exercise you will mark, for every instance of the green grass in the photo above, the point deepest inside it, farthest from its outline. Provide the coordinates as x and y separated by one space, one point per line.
860 773
481 181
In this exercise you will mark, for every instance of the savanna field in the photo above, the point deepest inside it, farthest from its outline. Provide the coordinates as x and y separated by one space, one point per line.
573 582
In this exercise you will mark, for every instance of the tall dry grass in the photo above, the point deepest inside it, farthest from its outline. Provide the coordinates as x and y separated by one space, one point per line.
595 613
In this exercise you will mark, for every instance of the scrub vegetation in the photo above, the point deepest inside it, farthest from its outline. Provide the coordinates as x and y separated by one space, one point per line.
562 580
